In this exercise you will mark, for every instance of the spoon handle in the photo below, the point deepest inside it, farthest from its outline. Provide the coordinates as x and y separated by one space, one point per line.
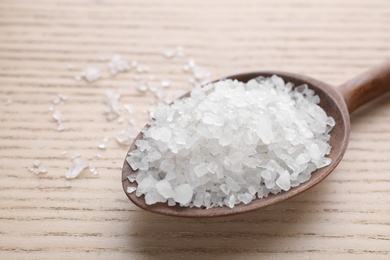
366 86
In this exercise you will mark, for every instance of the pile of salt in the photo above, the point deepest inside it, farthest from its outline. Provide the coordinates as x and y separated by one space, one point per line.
231 142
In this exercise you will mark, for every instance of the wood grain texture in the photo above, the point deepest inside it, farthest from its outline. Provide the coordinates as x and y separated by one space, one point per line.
346 216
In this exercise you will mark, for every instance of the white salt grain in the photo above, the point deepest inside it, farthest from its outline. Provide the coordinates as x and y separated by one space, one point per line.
91 74
117 64
43 168
76 167
113 106
131 189
165 83
169 54
103 144
183 194
230 142
94 171
126 136
38 167
57 116
142 87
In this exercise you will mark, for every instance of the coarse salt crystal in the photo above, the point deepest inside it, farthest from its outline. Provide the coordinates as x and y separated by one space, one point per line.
165 83
113 106
117 64
38 167
169 54
76 167
91 74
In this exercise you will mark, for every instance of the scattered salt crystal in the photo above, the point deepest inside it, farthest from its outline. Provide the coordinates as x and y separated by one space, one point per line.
94 171
117 64
75 155
180 52
60 127
37 163
186 67
142 69
134 63
126 136
191 63
183 194
129 108
165 83
142 87
57 116
113 106
169 54
133 120
103 144
64 153
38 167
59 99
76 167
42 168
91 74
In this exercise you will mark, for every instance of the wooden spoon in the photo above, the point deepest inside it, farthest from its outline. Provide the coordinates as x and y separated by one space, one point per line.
337 102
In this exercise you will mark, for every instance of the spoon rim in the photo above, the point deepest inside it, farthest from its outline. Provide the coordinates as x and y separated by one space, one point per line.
258 203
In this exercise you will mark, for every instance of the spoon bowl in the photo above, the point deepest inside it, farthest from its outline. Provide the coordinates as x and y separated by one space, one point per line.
337 103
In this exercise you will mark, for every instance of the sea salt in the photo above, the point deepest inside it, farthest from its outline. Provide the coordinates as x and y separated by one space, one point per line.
165 83
126 136
113 106
94 171
117 64
169 53
76 167
38 167
103 144
230 143
59 99
57 116
91 74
